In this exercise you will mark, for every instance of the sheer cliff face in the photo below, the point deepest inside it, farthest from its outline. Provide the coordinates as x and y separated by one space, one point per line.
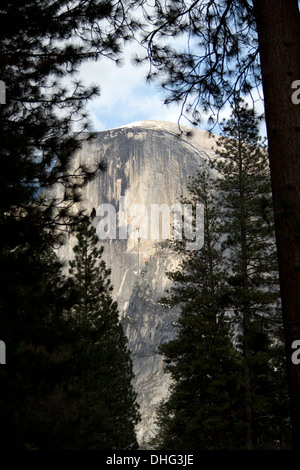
147 164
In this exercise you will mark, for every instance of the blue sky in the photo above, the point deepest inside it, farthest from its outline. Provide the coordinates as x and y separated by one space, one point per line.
126 97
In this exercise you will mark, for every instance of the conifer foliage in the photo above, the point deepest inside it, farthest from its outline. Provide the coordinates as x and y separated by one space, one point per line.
227 361
43 43
202 411
252 269
235 46
107 412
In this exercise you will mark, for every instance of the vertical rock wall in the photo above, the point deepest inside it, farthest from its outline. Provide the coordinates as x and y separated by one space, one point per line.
148 164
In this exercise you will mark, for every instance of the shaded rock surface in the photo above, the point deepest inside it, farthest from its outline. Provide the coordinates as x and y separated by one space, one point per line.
148 163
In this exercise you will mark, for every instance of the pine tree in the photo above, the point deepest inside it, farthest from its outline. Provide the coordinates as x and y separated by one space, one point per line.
38 342
203 410
108 411
43 42
252 269
228 342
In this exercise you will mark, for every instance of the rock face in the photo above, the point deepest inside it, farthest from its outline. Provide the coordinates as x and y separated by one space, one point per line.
147 164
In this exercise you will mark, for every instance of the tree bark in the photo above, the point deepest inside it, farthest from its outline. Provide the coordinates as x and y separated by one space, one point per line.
278 26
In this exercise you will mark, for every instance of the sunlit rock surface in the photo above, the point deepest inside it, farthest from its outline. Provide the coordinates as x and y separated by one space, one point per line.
147 163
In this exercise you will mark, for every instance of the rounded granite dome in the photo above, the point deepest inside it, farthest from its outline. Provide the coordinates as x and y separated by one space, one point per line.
147 164
193 135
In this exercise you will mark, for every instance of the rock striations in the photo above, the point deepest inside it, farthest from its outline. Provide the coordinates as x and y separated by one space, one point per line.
148 164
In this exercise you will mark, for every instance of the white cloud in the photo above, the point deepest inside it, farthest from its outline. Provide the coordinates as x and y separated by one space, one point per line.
126 97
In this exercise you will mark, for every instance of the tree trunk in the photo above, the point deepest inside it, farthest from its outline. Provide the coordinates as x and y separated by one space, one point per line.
278 25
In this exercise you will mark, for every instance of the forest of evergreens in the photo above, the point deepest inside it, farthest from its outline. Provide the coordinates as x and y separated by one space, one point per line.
227 362
67 381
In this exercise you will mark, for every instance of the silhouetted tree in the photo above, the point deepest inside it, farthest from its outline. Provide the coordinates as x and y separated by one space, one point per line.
42 43
252 267
107 411
204 409
229 385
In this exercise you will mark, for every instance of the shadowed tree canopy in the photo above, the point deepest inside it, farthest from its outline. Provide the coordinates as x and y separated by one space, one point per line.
228 390
230 46
42 44
203 409
104 364
215 52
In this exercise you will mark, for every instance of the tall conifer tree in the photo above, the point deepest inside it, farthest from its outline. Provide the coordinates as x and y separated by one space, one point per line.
43 43
228 342
203 410
252 269
33 410
108 410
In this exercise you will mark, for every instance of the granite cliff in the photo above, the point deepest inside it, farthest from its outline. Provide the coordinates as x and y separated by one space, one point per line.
147 164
